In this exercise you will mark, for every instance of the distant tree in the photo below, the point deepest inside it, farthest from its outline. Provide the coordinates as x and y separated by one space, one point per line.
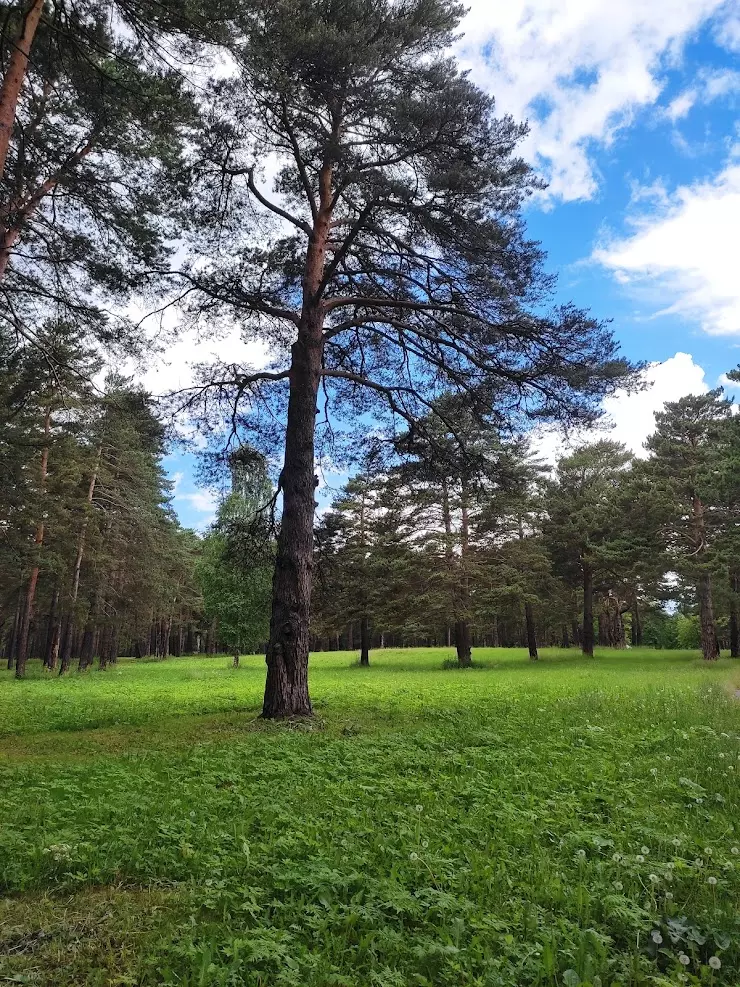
583 512
234 567
687 452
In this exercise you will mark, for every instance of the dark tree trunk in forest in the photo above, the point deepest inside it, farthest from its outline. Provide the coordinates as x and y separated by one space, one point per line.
709 641
27 613
531 631
15 630
604 639
564 637
636 630
54 632
494 633
734 616
286 688
587 638
365 641
462 643
65 650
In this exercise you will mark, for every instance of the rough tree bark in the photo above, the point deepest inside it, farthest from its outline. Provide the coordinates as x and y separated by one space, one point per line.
587 637
286 688
709 639
14 76
20 663
531 631
636 630
734 616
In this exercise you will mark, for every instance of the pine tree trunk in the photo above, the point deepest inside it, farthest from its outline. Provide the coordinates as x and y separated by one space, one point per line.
734 616
495 643
564 637
365 641
166 637
13 81
603 621
587 639
65 650
531 631
53 639
462 643
15 631
636 631
709 641
286 688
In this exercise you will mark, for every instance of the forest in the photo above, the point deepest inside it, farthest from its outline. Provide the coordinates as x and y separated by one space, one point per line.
466 714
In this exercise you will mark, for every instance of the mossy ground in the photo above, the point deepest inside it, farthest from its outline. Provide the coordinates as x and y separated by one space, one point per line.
570 821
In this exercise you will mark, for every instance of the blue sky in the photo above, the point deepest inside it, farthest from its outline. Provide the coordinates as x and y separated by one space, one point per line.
633 107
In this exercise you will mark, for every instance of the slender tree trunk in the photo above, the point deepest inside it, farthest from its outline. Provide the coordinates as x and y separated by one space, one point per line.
166 637
636 631
709 641
365 641
495 642
87 650
52 643
587 639
15 74
603 623
531 631
13 642
734 616
20 664
564 637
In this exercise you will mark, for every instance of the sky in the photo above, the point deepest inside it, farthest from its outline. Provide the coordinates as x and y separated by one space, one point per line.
633 113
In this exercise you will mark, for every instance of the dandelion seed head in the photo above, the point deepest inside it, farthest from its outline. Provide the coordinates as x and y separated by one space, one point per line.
712 881
656 937
640 859
683 958
715 962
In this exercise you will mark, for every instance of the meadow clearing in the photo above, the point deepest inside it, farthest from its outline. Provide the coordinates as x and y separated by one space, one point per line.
573 821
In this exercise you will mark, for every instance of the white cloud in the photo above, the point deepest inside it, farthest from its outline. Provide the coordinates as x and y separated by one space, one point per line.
632 416
172 370
201 501
578 69
686 251
710 84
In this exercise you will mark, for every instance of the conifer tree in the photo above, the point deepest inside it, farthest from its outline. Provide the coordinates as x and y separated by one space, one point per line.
387 265
688 447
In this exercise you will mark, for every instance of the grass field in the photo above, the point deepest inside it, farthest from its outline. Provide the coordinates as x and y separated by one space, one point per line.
569 822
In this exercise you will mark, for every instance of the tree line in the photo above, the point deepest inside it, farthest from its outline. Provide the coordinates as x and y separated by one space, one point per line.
454 542
94 562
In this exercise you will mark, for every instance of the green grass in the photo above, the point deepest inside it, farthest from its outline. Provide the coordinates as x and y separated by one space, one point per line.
514 824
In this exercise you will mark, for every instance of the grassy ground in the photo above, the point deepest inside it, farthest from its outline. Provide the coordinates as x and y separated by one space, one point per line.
570 822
